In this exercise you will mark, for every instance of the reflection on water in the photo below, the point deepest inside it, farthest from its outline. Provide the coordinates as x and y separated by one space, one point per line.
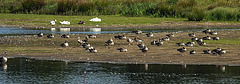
21 70
22 31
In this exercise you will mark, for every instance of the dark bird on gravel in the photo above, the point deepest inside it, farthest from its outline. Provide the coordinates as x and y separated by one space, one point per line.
137 32
110 42
130 41
120 37
166 39
170 35
192 52
40 34
182 50
194 39
207 51
81 22
218 51
122 49
85 45
190 44
93 50
138 39
191 35
202 43
65 44
213 33
159 43
180 44
141 46
215 38
207 38
154 42
144 49
65 36
206 31
149 34
50 36
91 36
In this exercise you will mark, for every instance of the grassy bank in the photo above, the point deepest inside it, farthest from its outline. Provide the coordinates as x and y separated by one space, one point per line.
46 48
34 20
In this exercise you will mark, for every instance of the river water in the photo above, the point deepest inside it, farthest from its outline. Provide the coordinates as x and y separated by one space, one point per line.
29 71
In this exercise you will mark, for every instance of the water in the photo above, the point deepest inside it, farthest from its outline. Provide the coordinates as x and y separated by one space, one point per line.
28 71
31 31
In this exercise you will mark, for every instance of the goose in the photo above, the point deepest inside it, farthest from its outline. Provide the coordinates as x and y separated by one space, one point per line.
166 39
110 42
182 50
194 39
154 42
130 41
85 45
40 34
50 36
53 22
137 32
192 52
93 50
215 38
207 51
3 59
190 43
122 49
141 46
91 36
85 40
138 39
207 38
149 34
213 33
144 49
219 51
170 35
65 44
120 37
223 51
200 40
81 22
159 43
89 47
202 43
80 41
180 44
206 31
65 36
191 35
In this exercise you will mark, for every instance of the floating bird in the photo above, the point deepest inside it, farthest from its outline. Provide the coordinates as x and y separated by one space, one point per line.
40 34
149 34
122 49
191 35
207 51
182 50
81 22
65 44
50 36
170 35
192 52
65 36
130 41
91 36
213 33
215 38
110 42
180 44
3 59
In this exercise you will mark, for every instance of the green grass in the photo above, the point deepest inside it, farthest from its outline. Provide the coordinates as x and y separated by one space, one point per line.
107 20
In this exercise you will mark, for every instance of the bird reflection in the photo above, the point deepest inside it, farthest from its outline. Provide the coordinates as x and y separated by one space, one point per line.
221 67
146 66
4 66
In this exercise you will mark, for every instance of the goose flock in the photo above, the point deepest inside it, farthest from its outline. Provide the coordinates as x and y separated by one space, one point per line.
141 44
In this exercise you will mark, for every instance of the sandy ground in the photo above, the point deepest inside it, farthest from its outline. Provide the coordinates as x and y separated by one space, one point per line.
49 48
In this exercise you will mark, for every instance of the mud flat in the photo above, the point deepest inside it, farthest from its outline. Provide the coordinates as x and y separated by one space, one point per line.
32 46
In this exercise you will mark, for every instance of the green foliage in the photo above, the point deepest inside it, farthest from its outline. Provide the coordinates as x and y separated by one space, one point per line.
224 14
196 14
32 5
138 9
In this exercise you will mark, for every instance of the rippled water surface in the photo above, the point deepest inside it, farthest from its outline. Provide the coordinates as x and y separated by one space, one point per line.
28 71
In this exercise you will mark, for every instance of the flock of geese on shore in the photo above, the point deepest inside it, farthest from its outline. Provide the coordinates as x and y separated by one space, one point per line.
141 45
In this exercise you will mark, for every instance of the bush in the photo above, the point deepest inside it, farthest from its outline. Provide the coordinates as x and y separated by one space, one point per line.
223 14
196 14
138 9
32 5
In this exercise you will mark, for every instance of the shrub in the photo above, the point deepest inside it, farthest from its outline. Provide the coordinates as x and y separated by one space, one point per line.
31 5
195 14
223 14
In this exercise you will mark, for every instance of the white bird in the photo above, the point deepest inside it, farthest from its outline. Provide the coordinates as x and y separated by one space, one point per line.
65 22
95 20
53 22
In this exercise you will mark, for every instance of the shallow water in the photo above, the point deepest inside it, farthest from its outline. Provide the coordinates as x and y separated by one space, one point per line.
30 31
25 71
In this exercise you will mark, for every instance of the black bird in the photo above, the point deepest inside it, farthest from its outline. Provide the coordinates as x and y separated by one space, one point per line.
207 51
65 36
50 36
192 52
122 49
182 50
81 22
149 34
191 35
40 34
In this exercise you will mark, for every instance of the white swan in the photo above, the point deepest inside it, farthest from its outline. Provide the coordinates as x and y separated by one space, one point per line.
53 22
65 22
95 20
